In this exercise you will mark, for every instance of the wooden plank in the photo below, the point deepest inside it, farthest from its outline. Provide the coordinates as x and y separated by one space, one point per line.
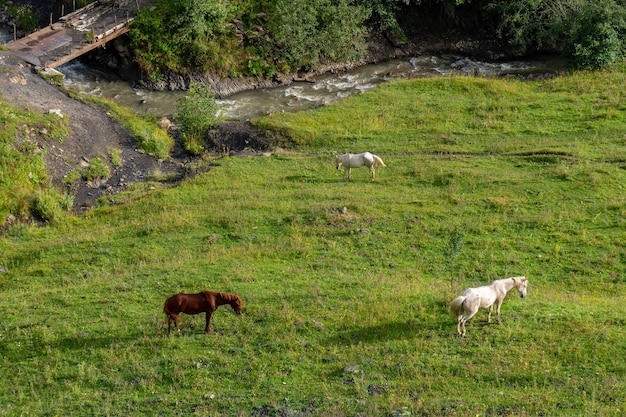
62 42
34 47
88 47
76 13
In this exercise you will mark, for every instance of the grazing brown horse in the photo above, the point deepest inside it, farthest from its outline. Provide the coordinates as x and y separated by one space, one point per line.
205 301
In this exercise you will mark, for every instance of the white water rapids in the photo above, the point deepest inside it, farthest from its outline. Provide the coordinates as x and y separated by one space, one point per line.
326 89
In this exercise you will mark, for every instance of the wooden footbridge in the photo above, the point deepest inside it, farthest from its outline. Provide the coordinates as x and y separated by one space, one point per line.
78 32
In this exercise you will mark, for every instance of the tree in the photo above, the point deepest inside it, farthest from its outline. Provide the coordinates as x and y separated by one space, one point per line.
197 113
596 38
589 32
309 32
183 35
534 24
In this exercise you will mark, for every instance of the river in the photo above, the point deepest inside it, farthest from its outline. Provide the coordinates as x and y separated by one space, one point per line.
326 89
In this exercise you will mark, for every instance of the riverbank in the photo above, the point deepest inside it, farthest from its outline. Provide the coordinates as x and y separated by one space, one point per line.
91 136
323 90
118 59
92 133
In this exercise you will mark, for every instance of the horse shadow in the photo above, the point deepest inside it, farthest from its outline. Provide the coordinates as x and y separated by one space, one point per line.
309 179
86 342
405 330
372 334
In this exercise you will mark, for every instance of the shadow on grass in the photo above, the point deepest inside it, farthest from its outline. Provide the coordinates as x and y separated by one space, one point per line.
83 340
407 330
302 178
70 345
311 179
331 180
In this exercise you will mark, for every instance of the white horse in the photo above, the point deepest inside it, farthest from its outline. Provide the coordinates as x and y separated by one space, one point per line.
350 160
465 306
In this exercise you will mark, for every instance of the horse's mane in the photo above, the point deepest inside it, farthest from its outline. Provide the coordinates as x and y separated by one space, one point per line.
518 280
228 296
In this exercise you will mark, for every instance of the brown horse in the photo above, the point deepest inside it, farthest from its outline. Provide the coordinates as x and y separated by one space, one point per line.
205 301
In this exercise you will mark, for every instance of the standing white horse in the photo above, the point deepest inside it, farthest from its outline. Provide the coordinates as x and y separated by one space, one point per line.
465 306
350 160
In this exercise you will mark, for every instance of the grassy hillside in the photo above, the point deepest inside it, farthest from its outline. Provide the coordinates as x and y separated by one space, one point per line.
346 310
25 189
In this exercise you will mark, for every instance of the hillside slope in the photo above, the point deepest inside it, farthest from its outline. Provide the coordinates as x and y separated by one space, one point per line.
92 133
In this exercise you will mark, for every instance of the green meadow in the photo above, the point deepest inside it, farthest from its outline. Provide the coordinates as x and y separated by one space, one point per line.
346 285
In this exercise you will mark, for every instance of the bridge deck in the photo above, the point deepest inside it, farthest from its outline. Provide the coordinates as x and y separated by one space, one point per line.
77 33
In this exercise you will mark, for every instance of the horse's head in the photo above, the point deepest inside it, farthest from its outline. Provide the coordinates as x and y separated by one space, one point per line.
521 283
338 162
237 305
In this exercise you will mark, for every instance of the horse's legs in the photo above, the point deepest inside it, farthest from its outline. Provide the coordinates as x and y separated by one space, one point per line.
461 324
470 311
172 318
207 327
489 316
373 172
175 318
499 303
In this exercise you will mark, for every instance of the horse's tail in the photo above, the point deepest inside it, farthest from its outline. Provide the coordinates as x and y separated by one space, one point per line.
170 315
338 162
378 161
456 306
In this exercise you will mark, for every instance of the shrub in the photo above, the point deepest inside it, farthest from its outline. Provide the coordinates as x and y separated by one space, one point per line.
115 155
96 169
310 32
25 16
589 32
179 35
252 37
197 113
596 37
46 206
384 15
532 24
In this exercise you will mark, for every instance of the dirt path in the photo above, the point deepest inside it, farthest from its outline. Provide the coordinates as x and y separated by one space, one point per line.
92 133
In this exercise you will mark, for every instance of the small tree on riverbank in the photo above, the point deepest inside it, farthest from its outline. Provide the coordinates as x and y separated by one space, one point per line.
197 113
596 39
590 33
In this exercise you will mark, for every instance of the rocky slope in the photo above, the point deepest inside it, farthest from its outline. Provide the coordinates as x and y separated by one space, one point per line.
92 133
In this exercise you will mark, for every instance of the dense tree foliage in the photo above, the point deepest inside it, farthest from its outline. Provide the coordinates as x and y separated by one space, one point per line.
308 32
263 37
251 37
590 33
181 35
23 15
596 37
